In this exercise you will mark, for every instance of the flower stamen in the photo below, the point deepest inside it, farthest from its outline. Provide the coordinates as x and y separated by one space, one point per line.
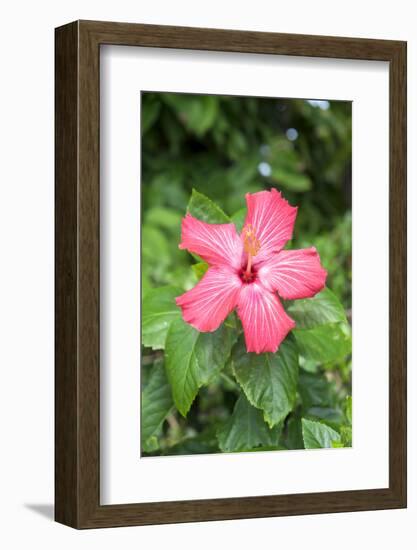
251 246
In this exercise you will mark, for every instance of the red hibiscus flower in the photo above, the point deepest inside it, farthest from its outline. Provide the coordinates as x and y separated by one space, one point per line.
246 272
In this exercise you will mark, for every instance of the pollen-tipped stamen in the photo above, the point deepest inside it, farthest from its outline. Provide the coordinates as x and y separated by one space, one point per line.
251 246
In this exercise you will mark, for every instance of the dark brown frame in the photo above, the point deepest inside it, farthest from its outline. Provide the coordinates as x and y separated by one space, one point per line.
77 274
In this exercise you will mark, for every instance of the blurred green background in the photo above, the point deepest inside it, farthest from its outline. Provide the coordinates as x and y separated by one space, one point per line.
224 147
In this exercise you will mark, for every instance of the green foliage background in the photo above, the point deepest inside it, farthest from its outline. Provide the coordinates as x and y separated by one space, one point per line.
223 147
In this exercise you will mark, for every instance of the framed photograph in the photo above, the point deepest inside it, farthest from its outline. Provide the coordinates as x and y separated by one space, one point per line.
230 274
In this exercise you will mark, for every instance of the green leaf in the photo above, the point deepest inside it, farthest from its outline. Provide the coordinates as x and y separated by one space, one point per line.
315 390
156 405
246 429
163 217
346 436
322 309
193 359
146 284
269 380
331 416
204 209
348 409
287 165
199 269
292 180
203 443
158 312
317 435
324 343
156 252
196 112
231 322
150 112
263 448
309 365
294 437
238 219
154 243
191 446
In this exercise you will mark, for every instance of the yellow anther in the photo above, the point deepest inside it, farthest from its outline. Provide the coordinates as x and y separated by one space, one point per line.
251 244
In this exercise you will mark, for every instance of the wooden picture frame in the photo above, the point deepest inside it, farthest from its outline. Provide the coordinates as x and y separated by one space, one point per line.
77 382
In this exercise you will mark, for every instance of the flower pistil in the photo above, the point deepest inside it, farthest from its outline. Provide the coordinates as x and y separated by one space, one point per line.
251 246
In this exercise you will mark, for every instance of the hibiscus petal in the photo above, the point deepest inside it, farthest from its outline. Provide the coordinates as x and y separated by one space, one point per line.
273 220
293 273
217 244
265 322
208 304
